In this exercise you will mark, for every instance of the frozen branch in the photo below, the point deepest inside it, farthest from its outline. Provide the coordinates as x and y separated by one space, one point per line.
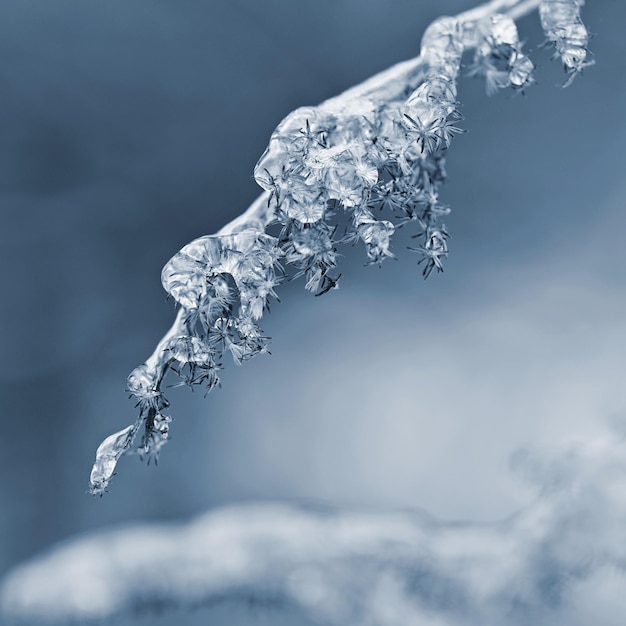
378 147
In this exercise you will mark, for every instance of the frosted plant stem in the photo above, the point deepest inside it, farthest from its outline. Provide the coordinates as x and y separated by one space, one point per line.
379 144
389 84
257 212
155 362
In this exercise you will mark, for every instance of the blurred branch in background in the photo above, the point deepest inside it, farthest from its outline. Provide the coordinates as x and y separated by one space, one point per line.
553 563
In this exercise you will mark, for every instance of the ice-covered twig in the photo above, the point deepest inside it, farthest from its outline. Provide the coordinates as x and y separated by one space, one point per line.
377 148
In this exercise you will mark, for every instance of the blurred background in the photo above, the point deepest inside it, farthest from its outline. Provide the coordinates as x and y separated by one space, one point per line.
129 129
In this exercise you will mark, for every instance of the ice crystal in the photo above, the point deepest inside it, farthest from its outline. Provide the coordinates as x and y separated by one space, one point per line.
433 251
143 385
156 434
499 57
375 234
565 30
249 257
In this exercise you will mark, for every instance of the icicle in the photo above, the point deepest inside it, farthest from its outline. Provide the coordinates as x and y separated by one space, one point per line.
564 28
107 456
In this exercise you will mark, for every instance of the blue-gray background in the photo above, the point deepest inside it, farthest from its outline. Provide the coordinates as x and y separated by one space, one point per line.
129 128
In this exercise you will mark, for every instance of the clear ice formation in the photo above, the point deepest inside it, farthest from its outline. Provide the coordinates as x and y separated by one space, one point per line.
565 30
377 150
499 57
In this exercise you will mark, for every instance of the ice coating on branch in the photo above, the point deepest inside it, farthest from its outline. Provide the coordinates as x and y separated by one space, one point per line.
107 456
319 162
430 113
499 57
389 157
292 165
565 30
442 47
195 361
248 256
353 169
207 278
316 162
143 385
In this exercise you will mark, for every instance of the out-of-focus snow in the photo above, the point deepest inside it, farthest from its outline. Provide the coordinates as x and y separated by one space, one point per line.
554 562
